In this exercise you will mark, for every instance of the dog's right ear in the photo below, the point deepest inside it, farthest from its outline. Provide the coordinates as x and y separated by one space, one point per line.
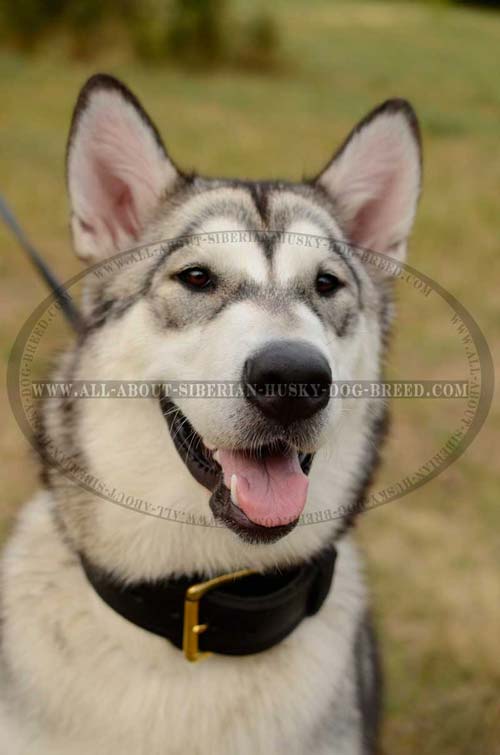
117 169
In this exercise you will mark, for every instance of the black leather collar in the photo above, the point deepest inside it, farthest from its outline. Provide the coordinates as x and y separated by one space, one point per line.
247 616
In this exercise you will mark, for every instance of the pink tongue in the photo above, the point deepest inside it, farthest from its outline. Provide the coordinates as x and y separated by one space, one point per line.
270 491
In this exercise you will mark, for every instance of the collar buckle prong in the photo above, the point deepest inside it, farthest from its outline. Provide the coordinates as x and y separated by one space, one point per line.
192 628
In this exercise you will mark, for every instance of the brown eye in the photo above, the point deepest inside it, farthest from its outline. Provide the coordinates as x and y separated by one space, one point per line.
327 284
196 278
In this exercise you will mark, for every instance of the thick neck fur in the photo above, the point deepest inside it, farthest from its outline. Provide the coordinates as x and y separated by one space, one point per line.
125 445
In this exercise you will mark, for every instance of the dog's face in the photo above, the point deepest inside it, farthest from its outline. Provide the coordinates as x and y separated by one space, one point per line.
253 292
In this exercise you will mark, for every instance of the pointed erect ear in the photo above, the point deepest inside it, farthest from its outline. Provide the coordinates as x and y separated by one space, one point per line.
374 179
117 168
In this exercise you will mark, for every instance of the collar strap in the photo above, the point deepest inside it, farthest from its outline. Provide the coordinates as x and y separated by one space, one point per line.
235 614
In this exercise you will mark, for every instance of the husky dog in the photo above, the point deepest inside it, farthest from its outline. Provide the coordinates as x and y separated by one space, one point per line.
246 294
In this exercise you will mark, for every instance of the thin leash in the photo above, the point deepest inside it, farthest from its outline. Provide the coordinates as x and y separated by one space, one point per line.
61 294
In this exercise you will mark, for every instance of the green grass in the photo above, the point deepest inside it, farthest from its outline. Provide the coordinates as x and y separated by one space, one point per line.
433 556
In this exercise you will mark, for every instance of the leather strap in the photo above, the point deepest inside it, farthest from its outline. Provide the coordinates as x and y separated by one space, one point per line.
245 617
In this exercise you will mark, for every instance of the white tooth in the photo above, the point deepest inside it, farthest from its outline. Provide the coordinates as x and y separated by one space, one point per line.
234 495
216 456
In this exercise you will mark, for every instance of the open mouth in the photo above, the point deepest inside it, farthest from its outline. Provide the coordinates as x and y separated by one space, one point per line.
258 493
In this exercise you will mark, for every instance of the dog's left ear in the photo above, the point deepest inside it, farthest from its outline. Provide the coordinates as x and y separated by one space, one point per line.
374 179
117 168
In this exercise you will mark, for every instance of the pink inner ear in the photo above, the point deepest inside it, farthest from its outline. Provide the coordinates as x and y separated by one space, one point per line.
123 210
118 209
363 221
375 182
375 218
117 173
113 201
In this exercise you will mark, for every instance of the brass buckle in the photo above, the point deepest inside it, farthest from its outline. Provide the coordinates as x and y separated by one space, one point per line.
192 629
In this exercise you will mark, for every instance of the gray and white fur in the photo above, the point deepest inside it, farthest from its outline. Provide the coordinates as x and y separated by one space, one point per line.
76 678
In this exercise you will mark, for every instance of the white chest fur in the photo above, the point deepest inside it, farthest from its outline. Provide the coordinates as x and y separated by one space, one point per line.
87 682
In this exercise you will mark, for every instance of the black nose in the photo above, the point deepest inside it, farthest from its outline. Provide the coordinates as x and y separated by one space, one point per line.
288 380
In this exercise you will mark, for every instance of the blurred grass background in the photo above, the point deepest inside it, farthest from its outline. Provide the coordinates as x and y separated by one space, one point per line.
433 557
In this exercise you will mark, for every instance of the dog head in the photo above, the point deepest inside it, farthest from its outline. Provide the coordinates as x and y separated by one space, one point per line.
250 284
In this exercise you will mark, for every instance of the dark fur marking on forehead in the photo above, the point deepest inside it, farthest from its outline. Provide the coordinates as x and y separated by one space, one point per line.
231 206
284 216
109 307
259 194
260 197
221 206
275 223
